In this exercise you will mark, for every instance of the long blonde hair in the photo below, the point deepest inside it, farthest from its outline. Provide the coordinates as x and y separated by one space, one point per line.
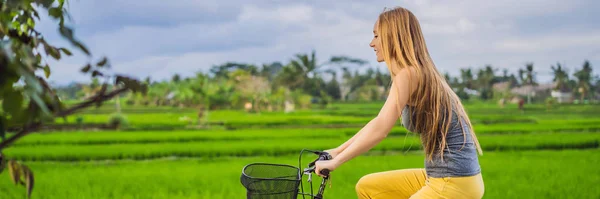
403 45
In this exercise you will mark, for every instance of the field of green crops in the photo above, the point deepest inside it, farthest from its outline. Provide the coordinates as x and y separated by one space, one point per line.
536 153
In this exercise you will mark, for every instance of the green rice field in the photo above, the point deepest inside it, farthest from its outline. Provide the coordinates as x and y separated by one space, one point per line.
537 153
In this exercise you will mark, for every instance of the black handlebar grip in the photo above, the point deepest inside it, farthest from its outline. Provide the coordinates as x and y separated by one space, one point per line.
325 172
325 156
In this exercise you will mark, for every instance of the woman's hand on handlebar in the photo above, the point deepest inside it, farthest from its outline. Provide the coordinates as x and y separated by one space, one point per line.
325 164
332 152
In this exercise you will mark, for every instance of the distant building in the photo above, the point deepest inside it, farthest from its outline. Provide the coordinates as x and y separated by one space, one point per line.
562 97
534 90
501 86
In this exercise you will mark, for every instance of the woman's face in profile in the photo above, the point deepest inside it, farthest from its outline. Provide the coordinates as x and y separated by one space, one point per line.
376 43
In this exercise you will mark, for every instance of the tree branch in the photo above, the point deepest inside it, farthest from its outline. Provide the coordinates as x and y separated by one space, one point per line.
96 99
28 129
35 126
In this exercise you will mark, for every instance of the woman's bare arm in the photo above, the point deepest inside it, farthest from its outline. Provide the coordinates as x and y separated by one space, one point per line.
378 128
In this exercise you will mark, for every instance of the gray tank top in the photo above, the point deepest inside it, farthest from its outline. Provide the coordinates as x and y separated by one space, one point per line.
456 163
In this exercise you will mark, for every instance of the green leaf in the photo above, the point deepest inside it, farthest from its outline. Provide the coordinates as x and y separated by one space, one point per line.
66 51
82 48
12 102
30 22
38 58
14 170
40 103
55 53
66 32
27 174
102 62
22 19
55 12
14 3
16 24
86 68
97 73
58 103
52 51
45 3
47 71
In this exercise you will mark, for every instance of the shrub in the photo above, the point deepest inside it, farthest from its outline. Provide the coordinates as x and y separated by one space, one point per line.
550 101
117 121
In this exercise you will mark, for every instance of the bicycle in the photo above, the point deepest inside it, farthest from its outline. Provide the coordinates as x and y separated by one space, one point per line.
282 181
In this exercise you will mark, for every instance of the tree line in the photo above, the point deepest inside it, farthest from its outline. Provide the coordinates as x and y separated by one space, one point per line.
304 81
581 82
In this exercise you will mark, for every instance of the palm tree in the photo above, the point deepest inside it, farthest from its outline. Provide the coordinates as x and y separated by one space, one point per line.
485 79
291 77
584 79
466 76
333 87
530 75
521 76
561 78
505 76
528 78
305 64
304 71
270 71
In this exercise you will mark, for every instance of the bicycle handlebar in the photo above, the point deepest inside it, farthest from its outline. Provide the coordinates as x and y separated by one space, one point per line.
322 156
312 169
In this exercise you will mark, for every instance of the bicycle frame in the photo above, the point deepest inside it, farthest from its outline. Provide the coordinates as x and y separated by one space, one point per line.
310 170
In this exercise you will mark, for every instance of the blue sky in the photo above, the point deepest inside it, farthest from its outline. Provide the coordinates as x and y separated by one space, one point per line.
153 38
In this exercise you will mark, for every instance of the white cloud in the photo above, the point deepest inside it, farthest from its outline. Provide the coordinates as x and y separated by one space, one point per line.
349 37
287 14
460 26
556 42
491 10
159 39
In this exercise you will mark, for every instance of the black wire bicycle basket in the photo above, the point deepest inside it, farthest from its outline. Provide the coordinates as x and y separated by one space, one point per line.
271 181
281 181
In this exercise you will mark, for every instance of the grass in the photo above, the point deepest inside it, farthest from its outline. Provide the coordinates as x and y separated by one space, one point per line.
538 153
122 137
523 174
353 114
118 137
279 146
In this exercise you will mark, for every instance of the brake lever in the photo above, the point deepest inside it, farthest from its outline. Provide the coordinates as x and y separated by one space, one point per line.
308 172
322 156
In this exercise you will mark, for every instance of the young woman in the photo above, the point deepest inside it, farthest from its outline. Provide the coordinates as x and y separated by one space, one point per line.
427 106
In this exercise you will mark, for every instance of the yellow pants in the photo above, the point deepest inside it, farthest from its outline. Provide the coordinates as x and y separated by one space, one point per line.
414 183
